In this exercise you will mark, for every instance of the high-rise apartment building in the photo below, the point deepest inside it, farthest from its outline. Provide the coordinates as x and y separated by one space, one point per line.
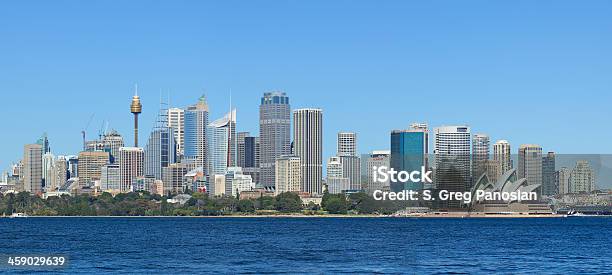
131 166
288 174
196 137
502 154
32 168
274 133
308 135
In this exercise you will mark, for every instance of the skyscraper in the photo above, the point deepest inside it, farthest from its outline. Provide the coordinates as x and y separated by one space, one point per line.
582 178
480 155
251 158
90 166
274 133
351 162
530 164
196 137
222 146
308 134
59 174
240 148
176 120
452 153
347 144
131 166
288 174
409 149
549 185
161 147
112 142
32 168
502 154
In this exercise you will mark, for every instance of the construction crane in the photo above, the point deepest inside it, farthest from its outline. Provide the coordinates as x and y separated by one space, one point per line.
85 130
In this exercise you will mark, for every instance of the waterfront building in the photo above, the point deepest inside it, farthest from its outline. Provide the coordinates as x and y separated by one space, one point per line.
452 154
409 149
502 154
530 164
308 135
288 174
274 133
337 182
236 181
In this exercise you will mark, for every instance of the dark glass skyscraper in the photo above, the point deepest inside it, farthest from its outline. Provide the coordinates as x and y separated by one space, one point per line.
274 133
409 149
549 186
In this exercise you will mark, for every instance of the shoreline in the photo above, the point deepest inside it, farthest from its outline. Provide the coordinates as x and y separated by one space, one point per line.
458 215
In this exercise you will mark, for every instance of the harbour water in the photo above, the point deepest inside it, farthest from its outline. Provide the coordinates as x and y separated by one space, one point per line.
314 245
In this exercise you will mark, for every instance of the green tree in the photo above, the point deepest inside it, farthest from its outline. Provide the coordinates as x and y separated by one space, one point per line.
336 205
246 206
288 202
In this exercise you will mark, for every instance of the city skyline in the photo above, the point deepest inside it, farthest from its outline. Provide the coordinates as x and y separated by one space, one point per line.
366 61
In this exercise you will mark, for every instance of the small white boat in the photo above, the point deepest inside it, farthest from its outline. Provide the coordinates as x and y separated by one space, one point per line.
18 215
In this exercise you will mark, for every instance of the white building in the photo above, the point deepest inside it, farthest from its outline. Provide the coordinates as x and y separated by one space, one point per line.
236 181
452 154
347 144
308 145
288 174
110 179
336 180
502 154
176 121
377 159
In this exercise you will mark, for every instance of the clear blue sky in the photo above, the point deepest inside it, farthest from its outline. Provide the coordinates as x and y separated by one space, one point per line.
526 71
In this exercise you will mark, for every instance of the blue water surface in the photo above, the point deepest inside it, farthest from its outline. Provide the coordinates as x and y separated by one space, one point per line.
314 245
